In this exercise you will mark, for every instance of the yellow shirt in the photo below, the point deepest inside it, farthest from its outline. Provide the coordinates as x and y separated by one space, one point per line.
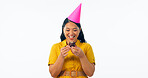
71 62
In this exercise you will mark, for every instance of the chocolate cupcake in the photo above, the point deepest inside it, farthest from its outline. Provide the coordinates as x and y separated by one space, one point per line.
71 44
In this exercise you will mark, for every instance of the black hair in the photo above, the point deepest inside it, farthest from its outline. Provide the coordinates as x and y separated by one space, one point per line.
81 35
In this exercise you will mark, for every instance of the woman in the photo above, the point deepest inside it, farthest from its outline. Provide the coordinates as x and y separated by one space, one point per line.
72 57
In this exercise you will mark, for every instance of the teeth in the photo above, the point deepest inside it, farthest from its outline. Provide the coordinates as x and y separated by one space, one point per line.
71 36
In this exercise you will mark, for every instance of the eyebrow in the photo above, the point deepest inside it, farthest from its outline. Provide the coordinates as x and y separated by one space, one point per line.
69 28
74 28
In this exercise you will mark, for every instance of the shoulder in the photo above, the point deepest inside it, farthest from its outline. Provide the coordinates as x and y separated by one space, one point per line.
87 48
86 44
59 44
55 45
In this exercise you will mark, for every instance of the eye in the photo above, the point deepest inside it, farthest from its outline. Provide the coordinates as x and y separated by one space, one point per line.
75 30
67 30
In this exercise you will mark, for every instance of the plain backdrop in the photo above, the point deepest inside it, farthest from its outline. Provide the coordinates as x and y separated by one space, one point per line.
116 29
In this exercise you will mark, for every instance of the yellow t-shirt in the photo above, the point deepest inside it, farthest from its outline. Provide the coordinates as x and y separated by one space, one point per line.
71 62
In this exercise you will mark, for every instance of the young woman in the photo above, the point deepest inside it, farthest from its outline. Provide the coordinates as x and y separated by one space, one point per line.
72 57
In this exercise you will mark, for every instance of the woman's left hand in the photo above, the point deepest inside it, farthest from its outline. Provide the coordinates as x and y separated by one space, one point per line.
77 51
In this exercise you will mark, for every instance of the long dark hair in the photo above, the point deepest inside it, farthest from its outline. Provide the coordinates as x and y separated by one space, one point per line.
81 35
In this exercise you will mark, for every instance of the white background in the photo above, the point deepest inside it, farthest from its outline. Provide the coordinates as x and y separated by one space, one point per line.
116 29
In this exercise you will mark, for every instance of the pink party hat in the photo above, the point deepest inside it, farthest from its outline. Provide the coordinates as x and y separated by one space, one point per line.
75 15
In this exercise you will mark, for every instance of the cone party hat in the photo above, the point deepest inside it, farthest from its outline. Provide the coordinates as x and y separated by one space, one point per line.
75 15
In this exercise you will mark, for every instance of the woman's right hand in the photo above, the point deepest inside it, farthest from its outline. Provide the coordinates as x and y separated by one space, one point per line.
64 51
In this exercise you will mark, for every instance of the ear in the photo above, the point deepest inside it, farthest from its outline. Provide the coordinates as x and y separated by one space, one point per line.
64 30
80 30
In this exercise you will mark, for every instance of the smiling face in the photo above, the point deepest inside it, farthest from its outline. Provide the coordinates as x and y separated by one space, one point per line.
71 32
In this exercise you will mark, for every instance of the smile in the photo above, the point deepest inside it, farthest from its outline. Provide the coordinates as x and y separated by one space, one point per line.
71 37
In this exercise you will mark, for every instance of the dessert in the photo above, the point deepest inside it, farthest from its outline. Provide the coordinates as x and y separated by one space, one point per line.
71 44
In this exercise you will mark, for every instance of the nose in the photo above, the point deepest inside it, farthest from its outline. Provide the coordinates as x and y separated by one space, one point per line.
71 33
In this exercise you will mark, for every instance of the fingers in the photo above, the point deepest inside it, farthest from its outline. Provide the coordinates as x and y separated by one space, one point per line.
65 54
74 51
68 46
76 48
77 51
65 48
64 51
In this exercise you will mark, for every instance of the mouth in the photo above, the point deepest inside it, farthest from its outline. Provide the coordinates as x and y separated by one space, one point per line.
71 37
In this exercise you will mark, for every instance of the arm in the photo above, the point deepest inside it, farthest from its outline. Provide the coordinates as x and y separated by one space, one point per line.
56 68
88 67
